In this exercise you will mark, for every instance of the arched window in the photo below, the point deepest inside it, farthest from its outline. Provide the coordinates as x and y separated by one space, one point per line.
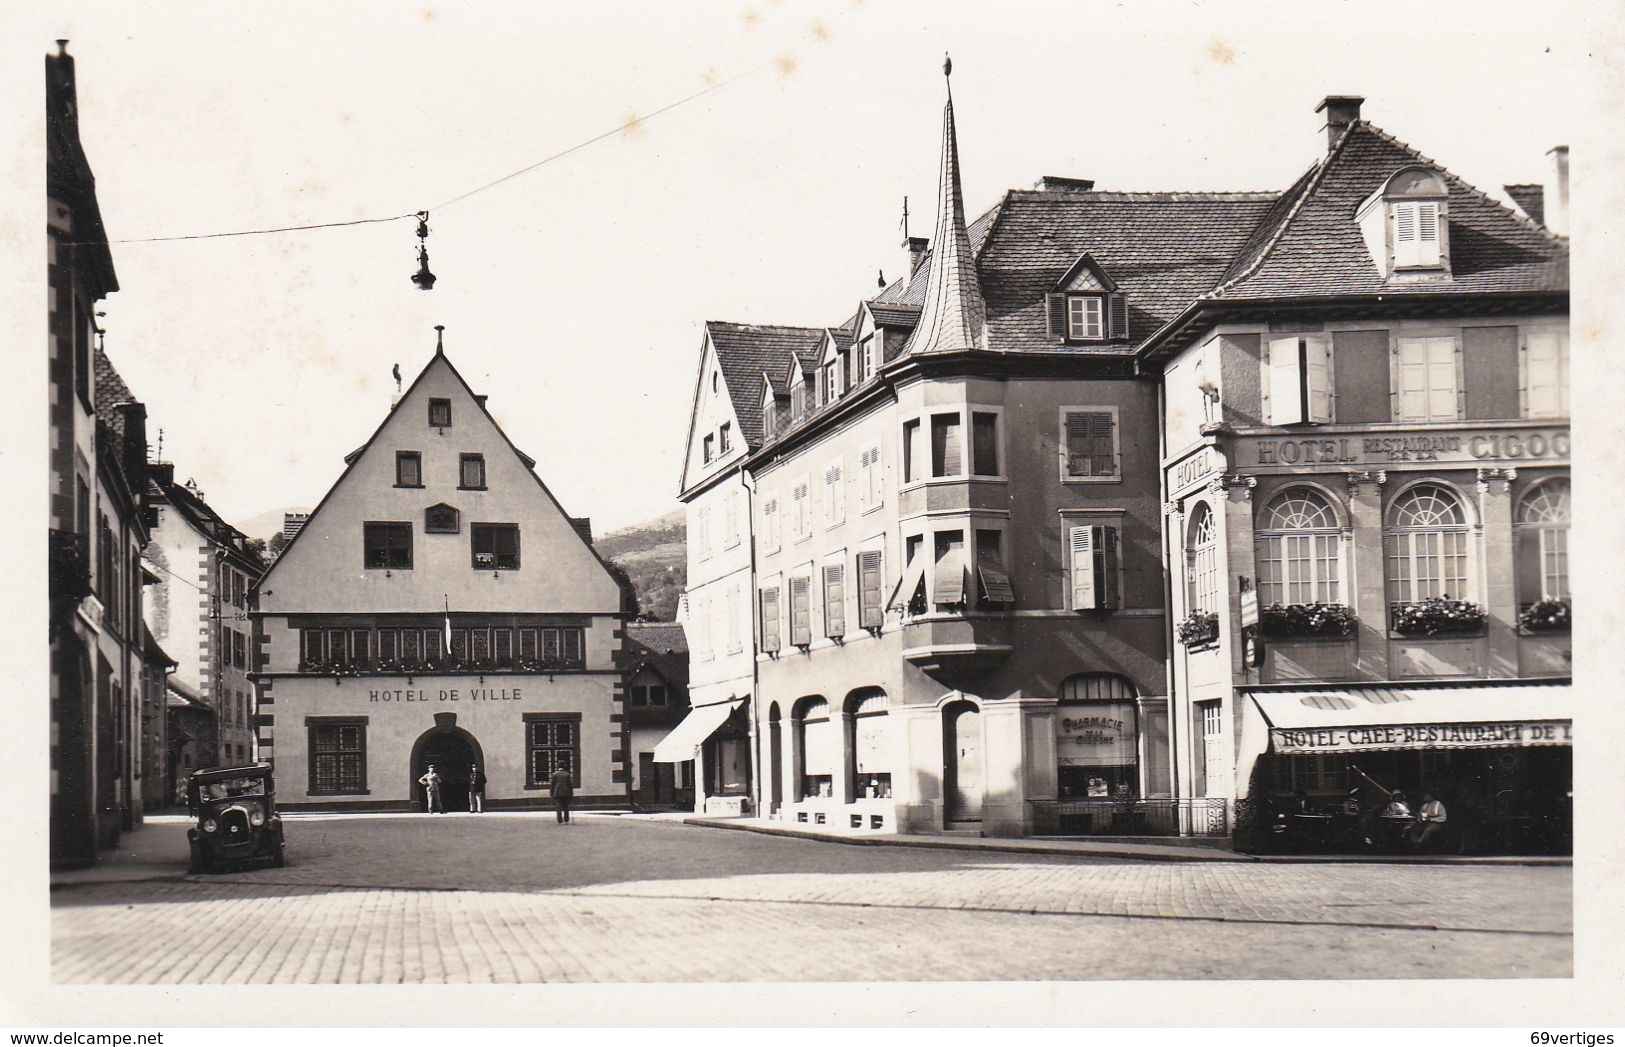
819 745
1427 541
1299 550
1202 557
1097 738
871 743
1543 543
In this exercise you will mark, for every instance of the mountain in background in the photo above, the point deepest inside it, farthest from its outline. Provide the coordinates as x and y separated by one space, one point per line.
654 555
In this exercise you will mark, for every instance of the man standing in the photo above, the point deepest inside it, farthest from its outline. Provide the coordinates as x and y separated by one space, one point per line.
563 788
431 792
476 789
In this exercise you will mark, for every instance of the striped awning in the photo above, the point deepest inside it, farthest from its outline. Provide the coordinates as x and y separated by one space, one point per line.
684 741
1371 719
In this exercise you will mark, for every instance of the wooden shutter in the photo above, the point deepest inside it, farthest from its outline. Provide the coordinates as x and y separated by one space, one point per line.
1105 448
994 578
1055 308
1317 375
1081 541
1079 462
948 580
1118 307
834 495
1406 250
1413 378
834 600
1546 374
909 583
1441 364
1285 382
946 456
1427 234
870 615
1111 599
800 613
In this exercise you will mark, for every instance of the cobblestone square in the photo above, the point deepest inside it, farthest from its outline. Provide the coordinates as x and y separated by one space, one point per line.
516 898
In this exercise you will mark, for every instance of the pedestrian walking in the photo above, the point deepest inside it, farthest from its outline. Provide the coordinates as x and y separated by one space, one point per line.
476 790
563 787
432 802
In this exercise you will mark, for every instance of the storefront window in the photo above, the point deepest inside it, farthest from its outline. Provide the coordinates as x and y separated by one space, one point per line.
1427 546
1202 555
1299 552
820 748
871 744
1543 543
1096 738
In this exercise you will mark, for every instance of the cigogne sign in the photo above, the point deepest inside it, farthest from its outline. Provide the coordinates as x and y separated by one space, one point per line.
1364 449
1097 734
1288 741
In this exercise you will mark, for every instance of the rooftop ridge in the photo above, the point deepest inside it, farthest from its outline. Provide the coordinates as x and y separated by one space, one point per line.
1152 195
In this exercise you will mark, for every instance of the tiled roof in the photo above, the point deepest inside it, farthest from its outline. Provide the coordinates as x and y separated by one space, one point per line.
911 290
954 316
890 314
1318 249
661 645
842 336
744 351
1162 249
110 390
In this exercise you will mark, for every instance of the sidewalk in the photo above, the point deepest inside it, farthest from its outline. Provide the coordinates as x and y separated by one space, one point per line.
153 852
1134 848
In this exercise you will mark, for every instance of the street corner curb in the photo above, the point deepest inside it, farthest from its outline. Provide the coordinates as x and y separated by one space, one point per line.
987 844
108 881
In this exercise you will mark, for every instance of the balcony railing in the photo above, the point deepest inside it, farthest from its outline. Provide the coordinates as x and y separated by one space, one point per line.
1158 816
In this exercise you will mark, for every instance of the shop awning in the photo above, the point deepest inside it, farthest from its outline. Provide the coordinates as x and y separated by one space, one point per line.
684 741
1371 719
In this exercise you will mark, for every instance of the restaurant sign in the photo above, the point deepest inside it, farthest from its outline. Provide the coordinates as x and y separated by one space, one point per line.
1464 447
1291 741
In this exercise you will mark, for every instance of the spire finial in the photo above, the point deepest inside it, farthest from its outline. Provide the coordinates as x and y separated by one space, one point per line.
439 339
947 65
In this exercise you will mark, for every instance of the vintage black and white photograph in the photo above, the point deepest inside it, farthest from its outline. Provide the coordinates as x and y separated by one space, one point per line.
768 493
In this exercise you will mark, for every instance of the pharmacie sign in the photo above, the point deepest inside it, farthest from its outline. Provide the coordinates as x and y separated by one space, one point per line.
1463 447
1095 735
1288 741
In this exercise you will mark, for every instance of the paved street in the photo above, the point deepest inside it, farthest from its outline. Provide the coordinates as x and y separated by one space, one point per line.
516 898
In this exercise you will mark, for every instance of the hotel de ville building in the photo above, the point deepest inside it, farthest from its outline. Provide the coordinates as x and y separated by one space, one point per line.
1124 512
439 607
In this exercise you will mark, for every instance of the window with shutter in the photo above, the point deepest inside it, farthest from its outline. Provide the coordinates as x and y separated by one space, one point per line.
1083 318
1081 544
834 600
800 612
834 495
1110 598
770 523
439 413
1118 306
1285 365
1317 377
1425 378
984 443
801 522
702 531
1406 251
1546 374
869 477
913 452
473 471
990 572
408 469
947 456
948 571
909 593
1091 445
870 614
770 619
1055 310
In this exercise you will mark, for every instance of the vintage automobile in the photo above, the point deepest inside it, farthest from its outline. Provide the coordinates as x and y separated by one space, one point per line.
236 816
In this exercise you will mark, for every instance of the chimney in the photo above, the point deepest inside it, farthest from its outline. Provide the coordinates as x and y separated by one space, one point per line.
1557 191
480 398
1341 111
163 473
1062 184
135 445
583 527
1530 198
917 246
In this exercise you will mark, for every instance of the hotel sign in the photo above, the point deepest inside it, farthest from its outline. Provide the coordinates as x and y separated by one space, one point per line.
1464 447
1291 741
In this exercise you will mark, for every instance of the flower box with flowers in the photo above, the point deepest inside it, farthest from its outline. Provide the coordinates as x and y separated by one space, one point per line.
1199 628
1438 616
1309 620
1547 615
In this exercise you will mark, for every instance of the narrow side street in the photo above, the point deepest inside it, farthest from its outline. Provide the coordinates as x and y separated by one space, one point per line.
517 898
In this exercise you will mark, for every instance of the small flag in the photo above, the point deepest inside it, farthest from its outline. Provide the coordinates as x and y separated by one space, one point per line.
448 623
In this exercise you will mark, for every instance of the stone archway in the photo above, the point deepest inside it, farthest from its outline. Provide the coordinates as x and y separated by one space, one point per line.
454 752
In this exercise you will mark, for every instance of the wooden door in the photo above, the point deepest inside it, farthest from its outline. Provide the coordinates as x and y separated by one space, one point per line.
962 764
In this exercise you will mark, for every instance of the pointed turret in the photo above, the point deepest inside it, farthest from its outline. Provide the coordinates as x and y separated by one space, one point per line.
954 316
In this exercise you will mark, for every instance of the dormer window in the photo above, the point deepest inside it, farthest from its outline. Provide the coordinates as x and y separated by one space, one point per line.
1406 225
1083 318
798 400
1086 305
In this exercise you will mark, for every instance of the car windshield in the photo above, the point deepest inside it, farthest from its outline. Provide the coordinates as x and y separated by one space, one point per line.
249 786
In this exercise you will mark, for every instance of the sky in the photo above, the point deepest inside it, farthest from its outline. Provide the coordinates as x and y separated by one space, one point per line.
574 294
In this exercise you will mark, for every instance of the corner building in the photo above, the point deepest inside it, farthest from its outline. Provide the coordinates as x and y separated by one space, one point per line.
1366 454
439 606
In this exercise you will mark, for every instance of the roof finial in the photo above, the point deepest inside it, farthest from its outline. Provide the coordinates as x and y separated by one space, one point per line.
439 339
947 73
62 47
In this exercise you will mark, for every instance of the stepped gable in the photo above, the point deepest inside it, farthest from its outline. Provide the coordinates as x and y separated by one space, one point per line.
745 351
1316 249
1163 249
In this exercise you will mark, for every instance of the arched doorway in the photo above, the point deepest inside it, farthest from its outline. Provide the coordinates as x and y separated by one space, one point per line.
775 757
454 752
962 761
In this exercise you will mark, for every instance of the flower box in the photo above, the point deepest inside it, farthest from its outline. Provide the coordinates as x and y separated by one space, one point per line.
1547 615
1307 619
1199 628
1438 616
